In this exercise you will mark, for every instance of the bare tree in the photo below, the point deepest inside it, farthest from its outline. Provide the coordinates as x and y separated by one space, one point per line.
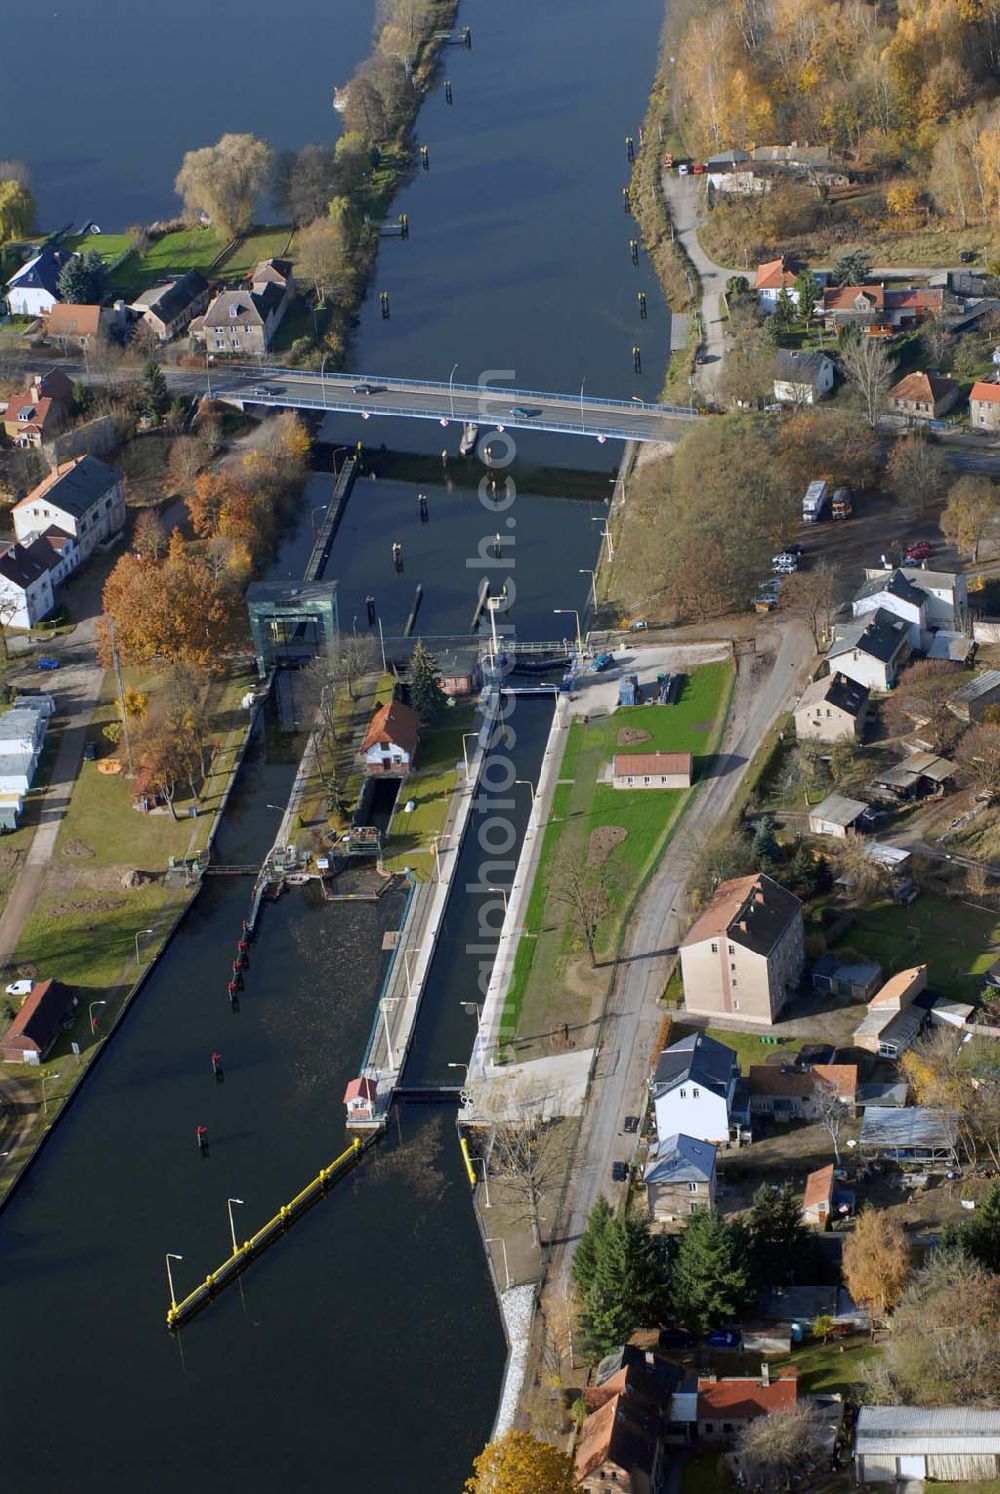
831 1111
979 756
585 891
812 595
920 700
867 363
524 1147
917 472
868 877
971 512
148 536
774 1447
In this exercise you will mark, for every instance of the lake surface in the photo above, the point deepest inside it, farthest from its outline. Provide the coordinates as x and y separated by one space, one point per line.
370 1334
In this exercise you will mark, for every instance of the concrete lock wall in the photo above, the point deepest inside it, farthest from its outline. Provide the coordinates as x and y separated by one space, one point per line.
95 438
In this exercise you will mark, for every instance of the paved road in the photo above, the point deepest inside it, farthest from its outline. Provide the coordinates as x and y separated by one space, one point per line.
684 200
633 1016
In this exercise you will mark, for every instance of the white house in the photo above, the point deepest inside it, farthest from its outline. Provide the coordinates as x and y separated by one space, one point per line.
771 279
871 649
22 731
831 709
929 601
83 499
802 378
390 742
34 289
693 1087
837 815
651 770
26 594
893 592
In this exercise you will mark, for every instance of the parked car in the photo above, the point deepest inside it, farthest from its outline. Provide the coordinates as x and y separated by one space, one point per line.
46 661
639 626
725 1338
602 662
631 1124
675 1338
619 1172
19 988
785 563
701 356
919 550
89 751
683 169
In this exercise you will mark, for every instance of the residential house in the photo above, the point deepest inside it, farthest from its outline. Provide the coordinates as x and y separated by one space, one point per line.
852 305
979 699
460 671
924 396
83 498
832 709
838 815
817 1201
726 1405
930 601
802 378
954 1444
906 306
31 1035
41 412
651 770
167 309
34 289
946 597
892 591
360 1098
26 594
784 1092
771 279
390 742
892 1022
620 1446
871 650
84 327
693 1086
245 320
984 406
744 955
855 980
679 1177
22 731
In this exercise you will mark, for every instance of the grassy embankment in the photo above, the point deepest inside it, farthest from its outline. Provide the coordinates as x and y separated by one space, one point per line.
627 830
411 839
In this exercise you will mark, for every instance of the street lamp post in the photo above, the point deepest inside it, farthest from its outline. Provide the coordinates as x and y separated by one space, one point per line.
385 1022
464 1066
486 1181
47 1079
320 507
583 423
499 1240
406 967
138 935
572 611
451 391
322 378
606 534
381 643
593 587
93 1026
503 895
465 737
170 1279
529 786
232 1226
469 1007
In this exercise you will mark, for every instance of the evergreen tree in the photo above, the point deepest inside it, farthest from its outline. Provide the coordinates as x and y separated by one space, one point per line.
710 1279
83 279
155 399
426 696
852 268
802 873
808 292
765 845
784 310
979 1237
620 1271
778 1239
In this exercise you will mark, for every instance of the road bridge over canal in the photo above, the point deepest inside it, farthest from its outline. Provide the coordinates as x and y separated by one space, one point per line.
488 406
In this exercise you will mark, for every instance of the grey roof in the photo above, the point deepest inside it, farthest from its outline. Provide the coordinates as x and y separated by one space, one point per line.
875 1094
916 1128
251 307
943 580
797 367
919 1429
169 301
896 584
859 974
881 634
23 564
698 1058
838 809
836 690
680 1159
981 684
42 272
77 487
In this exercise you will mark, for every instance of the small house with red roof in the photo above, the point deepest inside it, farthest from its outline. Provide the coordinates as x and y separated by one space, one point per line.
390 742
40 412
725 1406
359 1098
924 396
33 1032
817 1202
984 406
773 277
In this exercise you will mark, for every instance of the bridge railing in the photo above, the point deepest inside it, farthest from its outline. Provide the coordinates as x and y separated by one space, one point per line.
498 392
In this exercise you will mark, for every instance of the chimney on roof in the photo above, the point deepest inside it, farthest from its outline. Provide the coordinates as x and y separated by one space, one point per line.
742 925
758 896
765 1374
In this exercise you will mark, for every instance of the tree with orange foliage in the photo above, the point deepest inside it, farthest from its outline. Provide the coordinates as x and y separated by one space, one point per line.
517 1463
876 1262
175 610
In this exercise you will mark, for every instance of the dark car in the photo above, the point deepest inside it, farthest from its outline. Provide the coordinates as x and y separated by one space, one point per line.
724 1338
701 356
525 412
619 1172
631 1123
264 391
367 389
675 1338
89 751
46 662
966 256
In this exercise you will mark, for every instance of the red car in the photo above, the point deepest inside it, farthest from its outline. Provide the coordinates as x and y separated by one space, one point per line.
919 551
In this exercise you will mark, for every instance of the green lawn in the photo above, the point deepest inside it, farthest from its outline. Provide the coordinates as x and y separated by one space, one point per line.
704 1474
86 937
831 1367
747 1045
410 838
264 243
107 245
174 254
583 808
951 937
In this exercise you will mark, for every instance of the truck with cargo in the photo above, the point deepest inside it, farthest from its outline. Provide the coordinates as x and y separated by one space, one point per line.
814 501
842 505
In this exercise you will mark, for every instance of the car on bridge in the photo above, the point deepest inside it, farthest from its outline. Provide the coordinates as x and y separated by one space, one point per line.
525 412
368 389
265 391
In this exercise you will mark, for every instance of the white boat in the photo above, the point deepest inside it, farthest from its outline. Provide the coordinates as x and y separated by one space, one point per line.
470 434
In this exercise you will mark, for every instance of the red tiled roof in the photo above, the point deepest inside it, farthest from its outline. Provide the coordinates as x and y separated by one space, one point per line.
986 393
925 387
651 762
773 275
769 1079
843 297
37 1024
40 412
395 724
739 1398
362 1088
819 1186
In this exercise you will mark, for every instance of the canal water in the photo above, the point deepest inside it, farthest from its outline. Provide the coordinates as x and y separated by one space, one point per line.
369 1336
